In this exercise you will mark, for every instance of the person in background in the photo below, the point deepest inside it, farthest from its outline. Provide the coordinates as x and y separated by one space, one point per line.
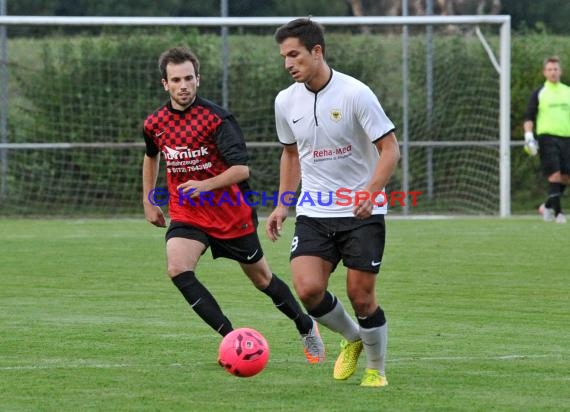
548 114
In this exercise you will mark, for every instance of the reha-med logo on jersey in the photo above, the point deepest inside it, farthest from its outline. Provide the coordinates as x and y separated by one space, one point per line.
331 153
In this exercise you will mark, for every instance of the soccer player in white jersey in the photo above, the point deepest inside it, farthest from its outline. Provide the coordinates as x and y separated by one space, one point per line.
337 140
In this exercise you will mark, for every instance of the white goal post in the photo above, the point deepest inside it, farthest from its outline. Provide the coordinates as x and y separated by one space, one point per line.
498 140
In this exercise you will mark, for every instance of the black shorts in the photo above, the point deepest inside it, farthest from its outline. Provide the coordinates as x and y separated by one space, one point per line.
246 249
554 154
359 243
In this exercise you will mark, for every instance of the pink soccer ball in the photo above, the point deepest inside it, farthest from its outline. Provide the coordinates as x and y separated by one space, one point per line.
243 352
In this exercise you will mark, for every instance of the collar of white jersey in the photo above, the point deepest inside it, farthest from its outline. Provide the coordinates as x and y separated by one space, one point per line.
324 85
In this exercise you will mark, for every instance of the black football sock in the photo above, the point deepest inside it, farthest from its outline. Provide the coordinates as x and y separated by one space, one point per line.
202 302
331 313
375 320
328 303
562 189
284 300
553 202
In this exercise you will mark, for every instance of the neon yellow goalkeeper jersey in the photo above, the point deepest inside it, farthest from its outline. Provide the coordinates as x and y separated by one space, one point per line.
549 108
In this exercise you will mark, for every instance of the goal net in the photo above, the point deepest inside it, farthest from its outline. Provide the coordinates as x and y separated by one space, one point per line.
74 93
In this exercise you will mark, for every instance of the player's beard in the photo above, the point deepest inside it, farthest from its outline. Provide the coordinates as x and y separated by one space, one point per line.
184 101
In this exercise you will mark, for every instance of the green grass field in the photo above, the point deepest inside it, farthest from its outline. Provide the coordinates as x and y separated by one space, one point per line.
478 312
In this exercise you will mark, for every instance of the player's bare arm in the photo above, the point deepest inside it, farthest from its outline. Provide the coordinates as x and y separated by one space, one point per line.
235 174
289 179
152 213
389 156
528 126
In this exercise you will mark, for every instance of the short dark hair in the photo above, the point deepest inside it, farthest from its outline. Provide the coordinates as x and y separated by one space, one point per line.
177 55
551 59
309 33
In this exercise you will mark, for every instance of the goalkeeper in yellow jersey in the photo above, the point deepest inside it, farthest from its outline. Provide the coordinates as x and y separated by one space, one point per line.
548 113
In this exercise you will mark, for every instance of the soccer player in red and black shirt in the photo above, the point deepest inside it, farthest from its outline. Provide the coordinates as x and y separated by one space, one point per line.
207 172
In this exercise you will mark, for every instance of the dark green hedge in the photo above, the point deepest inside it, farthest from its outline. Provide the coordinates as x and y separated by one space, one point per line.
100 89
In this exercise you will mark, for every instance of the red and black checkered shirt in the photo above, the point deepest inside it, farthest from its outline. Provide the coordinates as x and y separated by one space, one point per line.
199 143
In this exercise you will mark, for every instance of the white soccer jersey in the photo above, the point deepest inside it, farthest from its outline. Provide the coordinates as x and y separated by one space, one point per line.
334 130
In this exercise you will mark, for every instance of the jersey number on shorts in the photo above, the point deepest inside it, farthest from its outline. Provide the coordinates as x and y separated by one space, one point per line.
294 243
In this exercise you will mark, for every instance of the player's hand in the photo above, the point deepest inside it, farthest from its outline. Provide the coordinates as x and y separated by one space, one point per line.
274 223
195 187
530 144
363 210
153 214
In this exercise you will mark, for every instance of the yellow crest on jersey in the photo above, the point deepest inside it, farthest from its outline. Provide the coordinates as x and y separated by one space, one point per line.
336 115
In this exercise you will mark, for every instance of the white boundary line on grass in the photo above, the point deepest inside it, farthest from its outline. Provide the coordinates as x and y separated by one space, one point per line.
69 366
470 358
411 359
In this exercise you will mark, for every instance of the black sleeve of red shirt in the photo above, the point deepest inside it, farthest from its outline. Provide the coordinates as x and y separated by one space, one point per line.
151 148
231 143
532 106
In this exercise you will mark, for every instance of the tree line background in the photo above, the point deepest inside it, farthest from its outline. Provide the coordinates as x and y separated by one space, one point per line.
550 15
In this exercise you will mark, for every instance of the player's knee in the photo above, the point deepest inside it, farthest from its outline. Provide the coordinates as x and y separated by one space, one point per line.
355 293
362 303
363 308
555 178
260 279
310 295
259 274
174 270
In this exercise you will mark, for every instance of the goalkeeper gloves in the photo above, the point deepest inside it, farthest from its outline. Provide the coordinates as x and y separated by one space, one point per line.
530 144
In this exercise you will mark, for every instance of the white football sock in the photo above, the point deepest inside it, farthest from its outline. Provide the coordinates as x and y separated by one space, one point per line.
375 342
338 320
